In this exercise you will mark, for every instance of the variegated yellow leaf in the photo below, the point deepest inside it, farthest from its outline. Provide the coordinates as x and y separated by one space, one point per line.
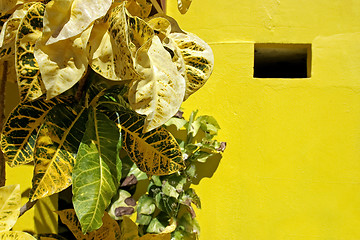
56 146
68 18
183 5
160 24
15 235
102 55
139 8
129 34
161 236
161 91
28 73
10 204
20 131
155 152
60 70
110 229
198 58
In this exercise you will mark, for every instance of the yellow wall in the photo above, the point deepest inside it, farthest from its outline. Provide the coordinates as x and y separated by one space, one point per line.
292 166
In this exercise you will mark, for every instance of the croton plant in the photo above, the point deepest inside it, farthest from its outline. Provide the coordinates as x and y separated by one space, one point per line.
101 83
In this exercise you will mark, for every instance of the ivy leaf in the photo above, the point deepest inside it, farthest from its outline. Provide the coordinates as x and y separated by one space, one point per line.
198 58
178 122
183 5
161 91
10 204
27 69
56 146
20 131
208 124
110 229
155 152
15 235
82 14
97 172
145 207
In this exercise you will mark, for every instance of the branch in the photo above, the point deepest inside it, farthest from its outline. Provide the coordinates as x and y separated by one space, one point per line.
27 207
2 119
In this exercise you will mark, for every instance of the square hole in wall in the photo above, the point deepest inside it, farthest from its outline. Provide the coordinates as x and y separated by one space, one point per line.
278 60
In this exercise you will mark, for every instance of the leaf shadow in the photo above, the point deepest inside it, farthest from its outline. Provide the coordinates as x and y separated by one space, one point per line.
207 169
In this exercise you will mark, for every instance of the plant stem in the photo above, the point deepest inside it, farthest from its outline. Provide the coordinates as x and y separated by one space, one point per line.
2 119
157 6
26 207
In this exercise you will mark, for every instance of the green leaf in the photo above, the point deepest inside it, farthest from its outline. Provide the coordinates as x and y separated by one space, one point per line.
190 196
208 124
145 207
155 152
20 130
15 235
97 172
178 122
10 204
56 146
169 190
27 69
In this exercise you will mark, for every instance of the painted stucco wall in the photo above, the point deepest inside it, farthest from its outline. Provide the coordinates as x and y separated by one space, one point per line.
292 166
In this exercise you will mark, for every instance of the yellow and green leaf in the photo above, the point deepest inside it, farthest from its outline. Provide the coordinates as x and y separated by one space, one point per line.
56 146
161 91
10 204
15 235
20 131
97 172
129 34
198 58
139 8
28 73
110 229
155 152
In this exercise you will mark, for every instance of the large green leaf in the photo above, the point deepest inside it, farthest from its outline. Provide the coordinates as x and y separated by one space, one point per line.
161 91
56 146
97 172
10 203
198 58
28 73
20 131
155 152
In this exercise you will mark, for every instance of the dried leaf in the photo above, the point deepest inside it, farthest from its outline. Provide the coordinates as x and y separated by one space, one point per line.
56 146
78 16
20 130
198 58
183 5
97 172
10 204
161 91
110 230
15 235
28 73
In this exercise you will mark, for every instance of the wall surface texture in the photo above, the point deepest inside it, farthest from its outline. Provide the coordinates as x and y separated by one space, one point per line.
292 167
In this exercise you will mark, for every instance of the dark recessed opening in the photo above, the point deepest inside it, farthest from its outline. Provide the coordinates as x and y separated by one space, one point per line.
282 60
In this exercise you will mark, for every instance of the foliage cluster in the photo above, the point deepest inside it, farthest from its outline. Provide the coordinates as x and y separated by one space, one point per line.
99 83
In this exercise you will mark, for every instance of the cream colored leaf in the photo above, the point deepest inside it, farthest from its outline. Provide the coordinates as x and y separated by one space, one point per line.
183 5
139 8
68 18
198 58
10 204
63 63
160 93
129 34
15 235
7 5
102 58
161 25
